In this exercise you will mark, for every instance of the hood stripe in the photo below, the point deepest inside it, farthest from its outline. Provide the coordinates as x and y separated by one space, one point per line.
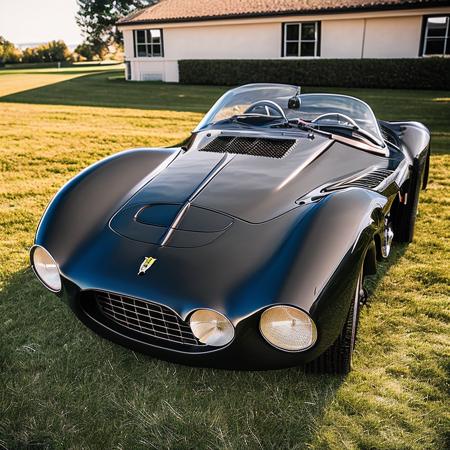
184 209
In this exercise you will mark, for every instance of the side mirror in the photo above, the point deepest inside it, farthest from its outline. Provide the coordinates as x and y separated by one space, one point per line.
294 102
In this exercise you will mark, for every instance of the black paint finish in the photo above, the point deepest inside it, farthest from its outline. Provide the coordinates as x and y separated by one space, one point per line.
234 233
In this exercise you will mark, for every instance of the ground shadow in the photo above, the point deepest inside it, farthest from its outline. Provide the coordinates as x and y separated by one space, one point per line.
110 89
44 349
371 282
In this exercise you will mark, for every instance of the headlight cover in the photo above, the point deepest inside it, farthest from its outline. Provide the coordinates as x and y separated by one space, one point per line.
288 328
46 268
211 327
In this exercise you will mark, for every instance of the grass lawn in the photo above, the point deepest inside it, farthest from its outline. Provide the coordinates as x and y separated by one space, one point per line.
61 386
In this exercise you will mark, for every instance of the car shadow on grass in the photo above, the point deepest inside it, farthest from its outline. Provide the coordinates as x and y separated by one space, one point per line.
371 282
61 384
109 89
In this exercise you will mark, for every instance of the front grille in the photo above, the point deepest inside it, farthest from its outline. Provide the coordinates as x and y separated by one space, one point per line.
146 318
270 148
370 180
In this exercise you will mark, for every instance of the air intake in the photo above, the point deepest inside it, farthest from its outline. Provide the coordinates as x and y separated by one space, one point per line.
270 148
390 136
369 180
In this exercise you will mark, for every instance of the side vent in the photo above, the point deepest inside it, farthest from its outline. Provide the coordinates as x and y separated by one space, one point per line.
389 136
369 180
270 148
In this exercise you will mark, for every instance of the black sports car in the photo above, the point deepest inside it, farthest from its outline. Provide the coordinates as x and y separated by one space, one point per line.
246 248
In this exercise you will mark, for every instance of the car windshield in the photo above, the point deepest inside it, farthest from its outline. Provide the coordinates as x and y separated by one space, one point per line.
266 100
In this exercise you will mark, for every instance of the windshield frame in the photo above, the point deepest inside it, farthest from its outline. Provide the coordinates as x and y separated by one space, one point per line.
224 100
379 139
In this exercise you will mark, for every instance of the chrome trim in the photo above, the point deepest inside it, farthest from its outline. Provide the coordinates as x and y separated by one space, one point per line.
144 319
217 312
32 250
226 158
156 171
174 224
361 145
387 237
126 336
314 329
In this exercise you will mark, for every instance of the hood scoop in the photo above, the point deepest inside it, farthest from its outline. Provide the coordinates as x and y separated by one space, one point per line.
196 219
150 223
270 148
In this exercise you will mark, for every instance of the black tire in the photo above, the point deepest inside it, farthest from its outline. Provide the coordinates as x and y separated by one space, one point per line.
405 222
337 359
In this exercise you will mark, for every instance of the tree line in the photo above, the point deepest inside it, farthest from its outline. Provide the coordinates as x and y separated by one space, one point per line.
97 19
53 51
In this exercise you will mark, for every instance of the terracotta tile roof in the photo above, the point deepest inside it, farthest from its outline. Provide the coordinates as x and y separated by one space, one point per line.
192 10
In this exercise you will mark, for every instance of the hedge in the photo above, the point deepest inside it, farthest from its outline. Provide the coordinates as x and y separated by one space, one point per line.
419 73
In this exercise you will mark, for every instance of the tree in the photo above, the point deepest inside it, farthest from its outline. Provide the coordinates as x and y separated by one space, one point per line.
85 51
9 53
54 51
97 19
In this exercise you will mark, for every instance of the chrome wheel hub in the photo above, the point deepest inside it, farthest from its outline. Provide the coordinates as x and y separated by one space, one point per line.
387 237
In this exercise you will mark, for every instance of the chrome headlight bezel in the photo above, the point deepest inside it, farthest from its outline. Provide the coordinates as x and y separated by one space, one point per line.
301 315
211 315
37 269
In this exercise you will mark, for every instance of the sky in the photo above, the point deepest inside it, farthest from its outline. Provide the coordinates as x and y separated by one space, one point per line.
30 21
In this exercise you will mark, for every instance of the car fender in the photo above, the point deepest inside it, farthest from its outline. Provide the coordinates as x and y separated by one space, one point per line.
85 203
336 236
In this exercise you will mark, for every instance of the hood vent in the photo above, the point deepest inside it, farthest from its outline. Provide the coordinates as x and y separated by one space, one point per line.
369 180
270 148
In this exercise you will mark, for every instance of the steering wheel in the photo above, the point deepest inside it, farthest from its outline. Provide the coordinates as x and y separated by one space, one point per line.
338 117
269 108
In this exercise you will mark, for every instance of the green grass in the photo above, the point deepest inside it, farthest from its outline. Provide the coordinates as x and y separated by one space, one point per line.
61 386
107 88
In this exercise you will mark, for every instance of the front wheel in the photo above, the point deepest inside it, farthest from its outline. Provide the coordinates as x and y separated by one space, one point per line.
338 358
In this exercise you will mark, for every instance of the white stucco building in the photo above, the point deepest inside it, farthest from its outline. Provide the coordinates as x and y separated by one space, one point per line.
157 37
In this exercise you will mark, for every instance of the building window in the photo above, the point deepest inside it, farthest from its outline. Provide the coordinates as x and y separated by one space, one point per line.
301 39
436 39
148 43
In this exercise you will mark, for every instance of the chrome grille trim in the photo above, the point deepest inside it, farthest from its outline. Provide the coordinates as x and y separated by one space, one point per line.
146 318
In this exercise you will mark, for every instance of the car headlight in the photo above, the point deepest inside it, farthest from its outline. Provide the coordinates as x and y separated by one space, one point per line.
46 268
288 328
211 327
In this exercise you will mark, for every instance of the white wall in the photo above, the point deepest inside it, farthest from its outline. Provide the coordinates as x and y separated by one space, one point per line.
342 38
248 41
128 44
393 37
384 34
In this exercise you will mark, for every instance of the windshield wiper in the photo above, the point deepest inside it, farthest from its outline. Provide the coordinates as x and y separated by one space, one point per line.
354 129
369 143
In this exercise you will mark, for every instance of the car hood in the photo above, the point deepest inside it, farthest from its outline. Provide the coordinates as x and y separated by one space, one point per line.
219 187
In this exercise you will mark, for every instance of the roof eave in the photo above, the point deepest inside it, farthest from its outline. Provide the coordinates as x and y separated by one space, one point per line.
340 10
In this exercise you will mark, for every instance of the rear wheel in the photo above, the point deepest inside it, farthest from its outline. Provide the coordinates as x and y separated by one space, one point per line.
338 358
